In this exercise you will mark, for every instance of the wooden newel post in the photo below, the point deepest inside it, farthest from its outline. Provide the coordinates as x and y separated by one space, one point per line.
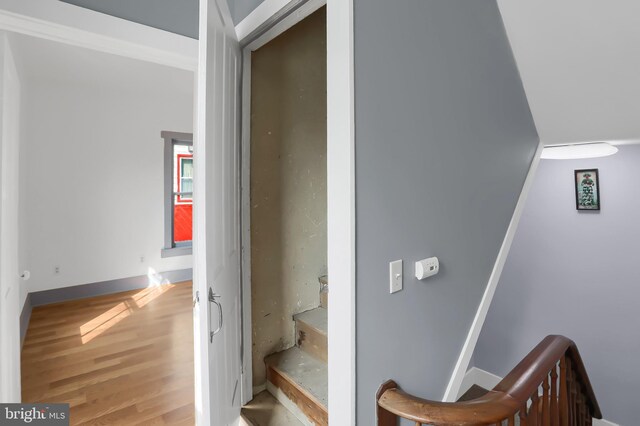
385 418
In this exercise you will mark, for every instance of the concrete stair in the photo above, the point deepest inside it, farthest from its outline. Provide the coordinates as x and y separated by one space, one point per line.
311 332
265 410
324 291
299 381
297 377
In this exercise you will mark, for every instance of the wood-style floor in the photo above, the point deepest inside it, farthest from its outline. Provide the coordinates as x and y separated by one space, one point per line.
121 359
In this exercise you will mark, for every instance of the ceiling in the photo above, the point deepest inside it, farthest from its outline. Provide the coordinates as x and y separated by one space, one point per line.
579 61
48 61
580 65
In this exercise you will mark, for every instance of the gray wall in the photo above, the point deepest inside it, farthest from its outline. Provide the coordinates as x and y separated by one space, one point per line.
240 9
444 140
575 273
176 16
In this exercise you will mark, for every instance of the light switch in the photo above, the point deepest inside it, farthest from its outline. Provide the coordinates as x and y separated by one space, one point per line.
395 276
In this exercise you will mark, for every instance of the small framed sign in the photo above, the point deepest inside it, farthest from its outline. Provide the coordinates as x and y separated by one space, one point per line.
587 189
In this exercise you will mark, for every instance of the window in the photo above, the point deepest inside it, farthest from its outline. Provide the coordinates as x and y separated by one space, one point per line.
185 185
178 193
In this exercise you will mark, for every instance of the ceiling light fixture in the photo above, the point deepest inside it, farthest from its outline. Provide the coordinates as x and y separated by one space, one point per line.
578 150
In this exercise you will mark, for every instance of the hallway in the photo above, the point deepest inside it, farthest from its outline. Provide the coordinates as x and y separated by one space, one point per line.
125 358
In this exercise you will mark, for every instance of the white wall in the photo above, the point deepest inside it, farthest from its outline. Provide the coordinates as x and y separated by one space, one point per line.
95 178
22 176
10 141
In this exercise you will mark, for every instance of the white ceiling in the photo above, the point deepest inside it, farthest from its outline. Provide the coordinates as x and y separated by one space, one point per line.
580 65
48 61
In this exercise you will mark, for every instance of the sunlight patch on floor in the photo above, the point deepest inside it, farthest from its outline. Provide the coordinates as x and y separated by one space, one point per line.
103 322
92 329
150 293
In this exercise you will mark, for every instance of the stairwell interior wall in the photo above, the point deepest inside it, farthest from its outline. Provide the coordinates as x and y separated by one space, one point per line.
575 273
444 141
288 183
95 179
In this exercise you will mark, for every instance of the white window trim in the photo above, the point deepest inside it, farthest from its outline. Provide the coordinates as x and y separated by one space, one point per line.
183 194
170 248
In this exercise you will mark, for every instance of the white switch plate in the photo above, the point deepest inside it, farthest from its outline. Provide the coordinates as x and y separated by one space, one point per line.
395 276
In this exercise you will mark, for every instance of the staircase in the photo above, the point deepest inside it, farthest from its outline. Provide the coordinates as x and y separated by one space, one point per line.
549 387
297 377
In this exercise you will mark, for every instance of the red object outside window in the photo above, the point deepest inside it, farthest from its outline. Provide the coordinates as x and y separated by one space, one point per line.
183 206
182 222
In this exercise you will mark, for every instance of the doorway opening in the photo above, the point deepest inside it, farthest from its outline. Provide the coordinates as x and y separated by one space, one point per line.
108 310
285 229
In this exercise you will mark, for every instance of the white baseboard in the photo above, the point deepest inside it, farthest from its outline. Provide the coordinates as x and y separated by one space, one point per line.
597 422
477 376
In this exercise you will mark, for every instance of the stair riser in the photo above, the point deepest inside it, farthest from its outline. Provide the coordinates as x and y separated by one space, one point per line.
312 341
311 408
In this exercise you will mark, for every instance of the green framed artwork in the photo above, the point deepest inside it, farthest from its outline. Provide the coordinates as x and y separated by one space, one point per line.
587 189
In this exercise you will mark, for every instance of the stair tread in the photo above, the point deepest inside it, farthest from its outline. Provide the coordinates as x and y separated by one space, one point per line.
265 410
316 318
307 372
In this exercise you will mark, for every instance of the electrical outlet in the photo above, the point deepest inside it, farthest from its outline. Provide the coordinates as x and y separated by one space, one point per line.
56 269
141 259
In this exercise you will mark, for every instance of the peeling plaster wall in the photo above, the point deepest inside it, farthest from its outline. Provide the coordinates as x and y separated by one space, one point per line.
288 184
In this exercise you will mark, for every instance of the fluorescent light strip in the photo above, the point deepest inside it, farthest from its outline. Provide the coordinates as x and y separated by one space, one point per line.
579 150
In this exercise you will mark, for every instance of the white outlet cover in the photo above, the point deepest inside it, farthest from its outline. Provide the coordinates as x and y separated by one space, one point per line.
395 276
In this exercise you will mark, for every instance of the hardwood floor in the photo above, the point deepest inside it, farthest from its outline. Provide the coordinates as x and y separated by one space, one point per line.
121 359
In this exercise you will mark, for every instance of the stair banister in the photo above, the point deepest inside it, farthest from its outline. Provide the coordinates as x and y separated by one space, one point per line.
554 365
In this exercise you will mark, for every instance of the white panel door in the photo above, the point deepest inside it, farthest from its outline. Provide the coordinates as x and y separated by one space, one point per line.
216 220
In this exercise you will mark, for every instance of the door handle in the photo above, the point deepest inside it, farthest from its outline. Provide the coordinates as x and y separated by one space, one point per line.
212 299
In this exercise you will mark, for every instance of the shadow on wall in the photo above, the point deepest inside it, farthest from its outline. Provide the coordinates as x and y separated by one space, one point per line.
575 273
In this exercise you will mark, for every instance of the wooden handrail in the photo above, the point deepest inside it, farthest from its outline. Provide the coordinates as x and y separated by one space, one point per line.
567 397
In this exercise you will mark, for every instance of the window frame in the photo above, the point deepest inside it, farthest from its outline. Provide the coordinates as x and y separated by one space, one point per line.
172 248
182 198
